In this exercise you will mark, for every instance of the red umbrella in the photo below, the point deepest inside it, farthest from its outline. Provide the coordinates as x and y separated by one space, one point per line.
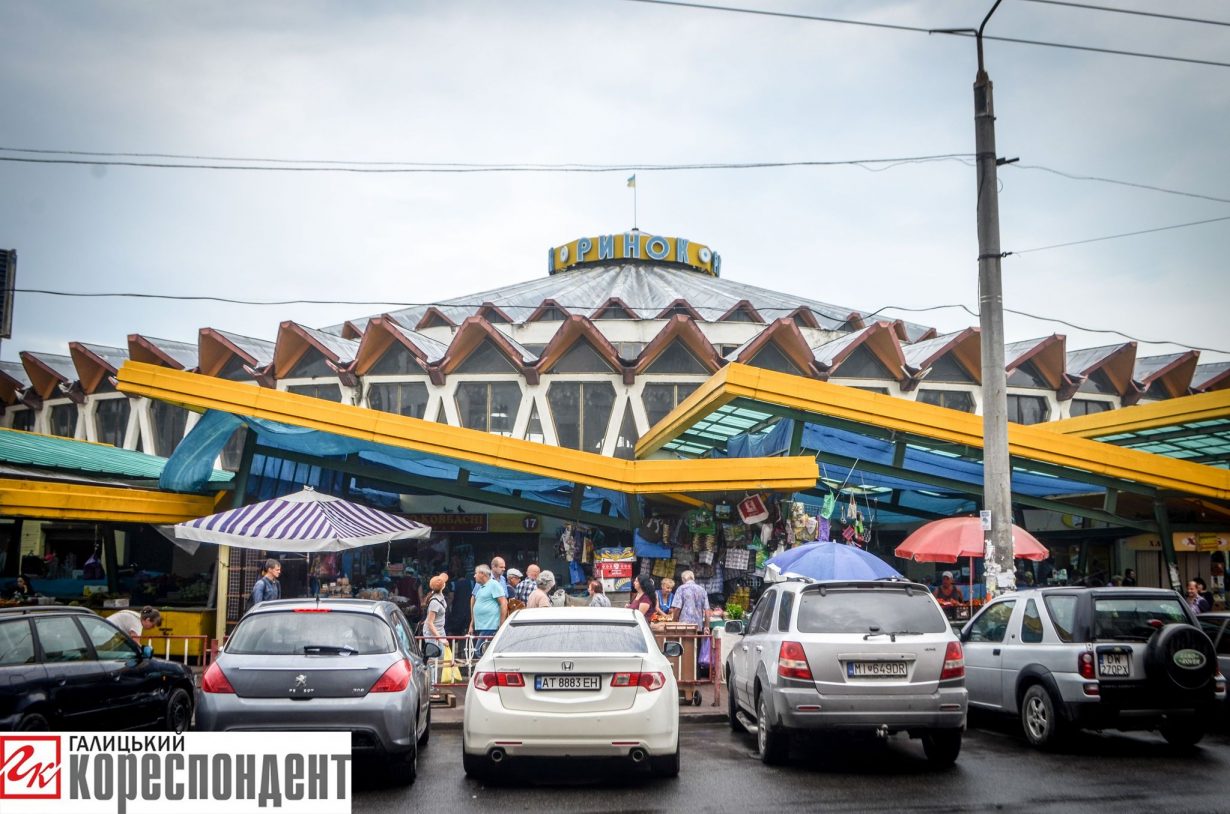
953 538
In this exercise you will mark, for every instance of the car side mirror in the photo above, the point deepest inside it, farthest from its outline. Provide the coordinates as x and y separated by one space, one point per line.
672 649
734 627
431 650
147 652
966 630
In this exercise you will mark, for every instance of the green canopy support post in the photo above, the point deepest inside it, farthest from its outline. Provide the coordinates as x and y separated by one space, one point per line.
110 560
1162 518
796 437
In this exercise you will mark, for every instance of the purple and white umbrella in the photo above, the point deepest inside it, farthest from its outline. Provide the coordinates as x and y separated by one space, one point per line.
302 522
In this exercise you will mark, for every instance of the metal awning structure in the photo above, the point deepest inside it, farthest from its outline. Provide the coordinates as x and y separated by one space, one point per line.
920 461
1192 428
50 478
410 454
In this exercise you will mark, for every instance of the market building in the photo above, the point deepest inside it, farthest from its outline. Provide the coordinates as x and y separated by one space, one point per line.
602 349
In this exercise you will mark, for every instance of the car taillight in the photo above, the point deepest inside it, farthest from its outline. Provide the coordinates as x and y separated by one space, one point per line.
395 679
1219 682
954 662
313 610
792 662
486 680
215 681
649 681
1084 665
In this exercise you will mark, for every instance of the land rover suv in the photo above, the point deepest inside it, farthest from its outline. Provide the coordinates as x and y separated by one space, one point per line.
1094 658
877 657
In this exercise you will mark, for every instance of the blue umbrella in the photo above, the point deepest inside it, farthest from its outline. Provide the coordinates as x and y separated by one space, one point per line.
833 561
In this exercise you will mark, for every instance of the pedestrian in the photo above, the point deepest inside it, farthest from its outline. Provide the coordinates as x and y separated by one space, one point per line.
515 578
1204 591
948 593
497 571
527 586
1129 577
25 591
135 624
663 595
458 596
488 607
690 603
541 597
1194 600
643 591
267 587
597 597
434 626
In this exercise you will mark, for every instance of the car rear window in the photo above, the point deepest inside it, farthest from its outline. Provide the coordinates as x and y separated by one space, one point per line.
287 633
1129 618
858 610
572 637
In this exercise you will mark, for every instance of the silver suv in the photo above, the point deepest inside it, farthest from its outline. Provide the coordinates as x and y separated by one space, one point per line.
873 656
1093 658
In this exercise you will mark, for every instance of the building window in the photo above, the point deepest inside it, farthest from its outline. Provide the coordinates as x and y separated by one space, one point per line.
111 420
169 422
625 442
1027 375
741 315
952 399
64 420
311 365
948 369
396 361
772 358
862 364
581 412
232 452
1089 407
1027 409
660 399
1099 382
327 392
677 359
486 358
234 370
550 314
24 420
489 406
402 398
582 358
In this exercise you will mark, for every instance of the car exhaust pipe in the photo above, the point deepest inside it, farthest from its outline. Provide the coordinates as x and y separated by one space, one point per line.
497 756
638 755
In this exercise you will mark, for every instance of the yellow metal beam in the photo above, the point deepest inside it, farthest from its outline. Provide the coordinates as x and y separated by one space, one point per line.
1027 443
199 393
1168 413
51 500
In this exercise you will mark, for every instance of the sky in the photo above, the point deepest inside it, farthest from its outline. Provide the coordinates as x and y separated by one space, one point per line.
608 82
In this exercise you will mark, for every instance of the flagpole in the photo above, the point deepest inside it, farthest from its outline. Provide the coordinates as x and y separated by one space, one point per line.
634 206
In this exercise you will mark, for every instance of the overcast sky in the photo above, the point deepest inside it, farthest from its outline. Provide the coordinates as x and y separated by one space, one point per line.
606 82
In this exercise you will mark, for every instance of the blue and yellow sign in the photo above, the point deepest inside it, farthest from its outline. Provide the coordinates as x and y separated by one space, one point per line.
634 246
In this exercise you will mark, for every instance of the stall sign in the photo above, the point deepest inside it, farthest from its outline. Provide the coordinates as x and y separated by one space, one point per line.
452 523
614 570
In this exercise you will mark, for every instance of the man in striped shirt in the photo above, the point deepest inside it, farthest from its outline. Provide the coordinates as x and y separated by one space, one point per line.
526 586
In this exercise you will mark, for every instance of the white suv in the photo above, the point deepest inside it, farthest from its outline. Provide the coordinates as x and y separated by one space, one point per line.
878 657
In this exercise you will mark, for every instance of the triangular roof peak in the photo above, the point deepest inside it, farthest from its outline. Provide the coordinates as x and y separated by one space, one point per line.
433 317
878 337
295 340
614 304
471 334
683 329
383 333
1047 354
544 309
48 372
679 307
785 334
571 331
95 364
746 308
165 352
217 347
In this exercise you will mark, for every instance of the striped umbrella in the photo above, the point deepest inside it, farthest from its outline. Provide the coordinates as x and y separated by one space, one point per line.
305 521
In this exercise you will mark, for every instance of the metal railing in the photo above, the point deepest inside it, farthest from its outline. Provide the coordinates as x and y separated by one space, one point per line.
186 648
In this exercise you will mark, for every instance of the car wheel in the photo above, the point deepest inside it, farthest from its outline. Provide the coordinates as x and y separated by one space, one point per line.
404 768
426 736
942 747
179 711
665 765
1040 718
1183 733
32 723
772 744
474 765
732 705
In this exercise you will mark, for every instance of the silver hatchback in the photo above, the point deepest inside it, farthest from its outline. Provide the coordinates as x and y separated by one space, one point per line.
877 657
338 664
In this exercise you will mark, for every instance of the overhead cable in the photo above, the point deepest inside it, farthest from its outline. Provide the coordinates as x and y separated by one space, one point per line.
1135 12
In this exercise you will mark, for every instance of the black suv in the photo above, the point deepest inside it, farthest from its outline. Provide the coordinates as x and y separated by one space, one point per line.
65 668
1093 658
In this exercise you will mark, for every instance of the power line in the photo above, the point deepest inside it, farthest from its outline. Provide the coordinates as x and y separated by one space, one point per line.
1113 237
1099 178
584 307
493 168
949 32
1155 14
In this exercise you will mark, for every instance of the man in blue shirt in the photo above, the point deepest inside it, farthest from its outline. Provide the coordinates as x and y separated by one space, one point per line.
488 606
497 572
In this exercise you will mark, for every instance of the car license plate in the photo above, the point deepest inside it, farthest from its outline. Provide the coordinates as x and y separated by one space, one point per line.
562 682
876 669
1114 665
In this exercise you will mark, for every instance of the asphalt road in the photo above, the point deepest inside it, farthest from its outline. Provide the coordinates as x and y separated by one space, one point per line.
997 771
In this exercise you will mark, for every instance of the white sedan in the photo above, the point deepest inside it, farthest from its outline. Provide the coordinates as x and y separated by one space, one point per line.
573 682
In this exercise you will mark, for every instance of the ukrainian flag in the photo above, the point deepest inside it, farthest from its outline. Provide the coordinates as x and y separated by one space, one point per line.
632 181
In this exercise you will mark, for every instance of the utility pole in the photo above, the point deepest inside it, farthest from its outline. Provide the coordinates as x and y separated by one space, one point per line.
996 466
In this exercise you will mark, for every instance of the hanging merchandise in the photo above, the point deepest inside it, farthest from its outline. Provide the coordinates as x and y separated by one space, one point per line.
766 534
828 506
811 529
685 556
651 530
722 511
753 510
587 551
825 532
705 557
737 559
700 521
576 573
733 533
848 533
645 548
664 568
